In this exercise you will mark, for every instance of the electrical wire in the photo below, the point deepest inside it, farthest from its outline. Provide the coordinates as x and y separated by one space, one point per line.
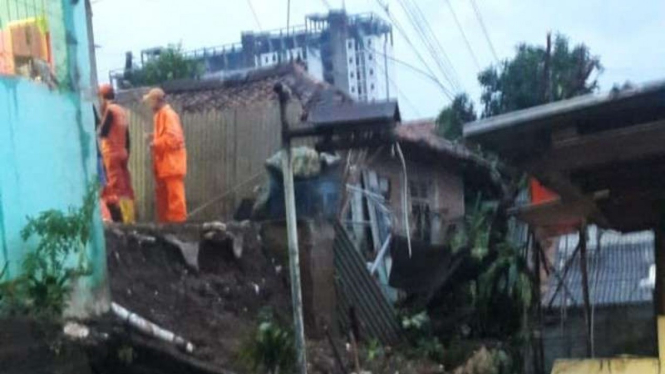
484 29
256 17
417 70
461 30
326 4
401 30
400 93
438 47
424 31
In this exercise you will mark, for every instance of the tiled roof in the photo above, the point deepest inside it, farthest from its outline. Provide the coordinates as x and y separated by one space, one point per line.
422 133
618 272
248 88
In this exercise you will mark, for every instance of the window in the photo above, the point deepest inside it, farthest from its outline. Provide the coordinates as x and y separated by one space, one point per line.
369 42
350 60
371 71
370 57
350 44
274 58
384 187
372 87
267 59
360 90
33 41
421 211
352 75
353 89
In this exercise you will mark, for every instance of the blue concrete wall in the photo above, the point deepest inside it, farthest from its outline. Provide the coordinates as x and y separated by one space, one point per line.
48 157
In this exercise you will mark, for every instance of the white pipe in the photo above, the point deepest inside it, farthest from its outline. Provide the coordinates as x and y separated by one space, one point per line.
381 255
150 328
405 198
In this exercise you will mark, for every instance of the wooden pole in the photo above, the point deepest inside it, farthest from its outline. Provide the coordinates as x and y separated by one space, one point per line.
292 232
585 287
659 299
547 71
539 359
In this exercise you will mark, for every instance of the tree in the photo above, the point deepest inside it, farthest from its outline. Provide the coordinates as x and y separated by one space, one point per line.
170 65
531 78
452 118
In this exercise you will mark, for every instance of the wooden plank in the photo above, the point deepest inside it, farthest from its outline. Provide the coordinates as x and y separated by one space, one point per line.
569 193
583 152
558 217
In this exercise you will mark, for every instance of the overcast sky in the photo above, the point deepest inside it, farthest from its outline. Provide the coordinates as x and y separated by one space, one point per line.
629 36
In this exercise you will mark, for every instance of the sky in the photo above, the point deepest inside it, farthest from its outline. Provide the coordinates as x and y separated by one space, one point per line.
629 36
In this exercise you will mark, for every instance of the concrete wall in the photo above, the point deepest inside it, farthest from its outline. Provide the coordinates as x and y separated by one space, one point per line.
48 157
628 330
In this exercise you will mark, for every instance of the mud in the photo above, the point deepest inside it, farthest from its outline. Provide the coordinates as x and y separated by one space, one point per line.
215 309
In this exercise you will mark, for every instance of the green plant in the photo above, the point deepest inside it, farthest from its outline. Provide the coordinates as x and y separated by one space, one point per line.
171 65
45 283
475 233
271 348
452 118
424 344
504 292
374 350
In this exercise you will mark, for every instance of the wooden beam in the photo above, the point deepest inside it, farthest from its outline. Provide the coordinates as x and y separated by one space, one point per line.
551 217
621 145
570 193
585 288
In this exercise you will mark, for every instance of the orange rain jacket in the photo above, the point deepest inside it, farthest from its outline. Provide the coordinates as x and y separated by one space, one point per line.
114 147
168 152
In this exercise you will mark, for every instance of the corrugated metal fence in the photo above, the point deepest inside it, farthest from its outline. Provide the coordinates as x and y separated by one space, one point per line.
226 156
357 290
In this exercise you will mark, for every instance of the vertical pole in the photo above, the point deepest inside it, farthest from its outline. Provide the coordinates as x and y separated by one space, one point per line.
659 292
547 78
539 359
94 81
385 64
292 232
585 287
659 299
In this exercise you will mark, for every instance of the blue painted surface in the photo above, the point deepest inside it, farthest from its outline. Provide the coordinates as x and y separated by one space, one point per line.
48 157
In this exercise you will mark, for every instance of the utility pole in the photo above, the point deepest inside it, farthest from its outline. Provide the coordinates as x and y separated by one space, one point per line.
284 94
538 349
547 71
585 286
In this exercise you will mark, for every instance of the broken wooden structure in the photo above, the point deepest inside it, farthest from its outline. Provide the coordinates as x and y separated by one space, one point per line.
604 156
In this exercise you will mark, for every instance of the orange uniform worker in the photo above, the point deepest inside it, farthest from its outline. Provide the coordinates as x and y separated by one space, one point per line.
169 157
118 192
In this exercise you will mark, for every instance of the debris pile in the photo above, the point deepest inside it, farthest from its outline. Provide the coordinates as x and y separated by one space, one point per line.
206 284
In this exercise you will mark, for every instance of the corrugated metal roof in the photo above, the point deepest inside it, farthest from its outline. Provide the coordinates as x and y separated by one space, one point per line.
613 100
352 112
358 290
618 272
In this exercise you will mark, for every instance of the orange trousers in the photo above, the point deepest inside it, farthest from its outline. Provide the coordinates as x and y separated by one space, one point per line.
171 203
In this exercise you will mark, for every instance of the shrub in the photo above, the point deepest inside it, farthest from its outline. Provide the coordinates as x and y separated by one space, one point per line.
44 286
271 348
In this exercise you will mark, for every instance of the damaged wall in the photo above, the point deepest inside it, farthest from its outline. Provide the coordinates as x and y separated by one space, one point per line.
48 157
445 191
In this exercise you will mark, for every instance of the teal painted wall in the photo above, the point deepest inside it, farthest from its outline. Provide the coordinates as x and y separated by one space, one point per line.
47 158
